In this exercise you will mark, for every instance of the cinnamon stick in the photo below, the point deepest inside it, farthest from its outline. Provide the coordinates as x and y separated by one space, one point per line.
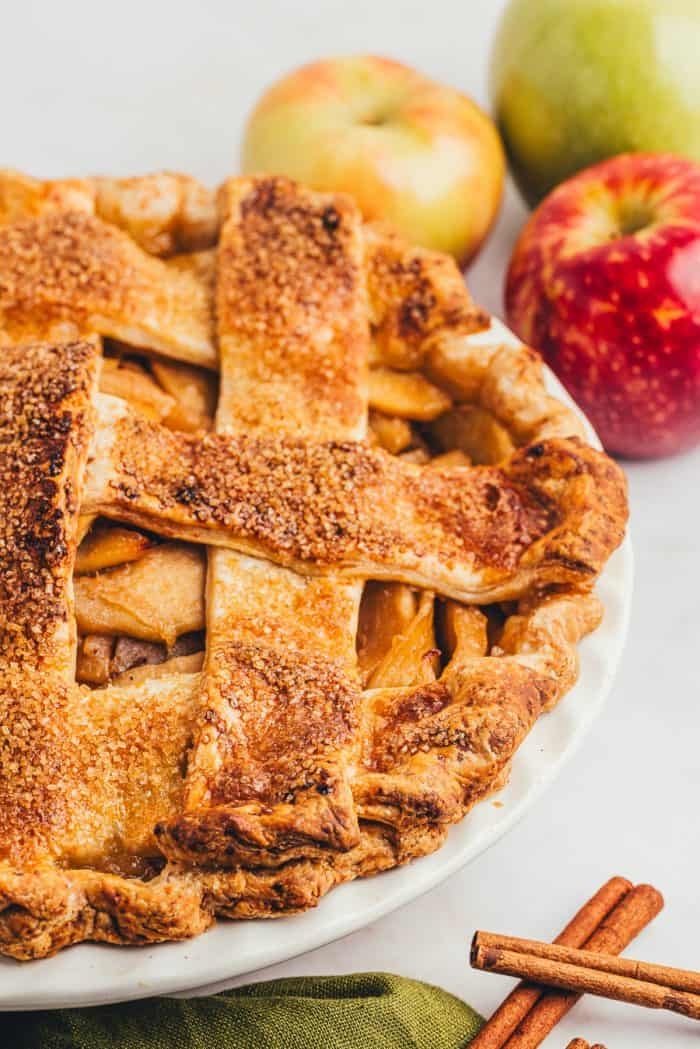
514 1026
664 975
614 933
525 996
581 980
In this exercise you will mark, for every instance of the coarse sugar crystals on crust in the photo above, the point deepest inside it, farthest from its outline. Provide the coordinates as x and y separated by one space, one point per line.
136 813
269 777
548 516
292 311
46 419
73 269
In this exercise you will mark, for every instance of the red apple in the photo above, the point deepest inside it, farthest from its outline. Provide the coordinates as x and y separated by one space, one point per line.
605 282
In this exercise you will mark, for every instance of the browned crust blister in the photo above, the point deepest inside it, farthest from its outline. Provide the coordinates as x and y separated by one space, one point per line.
253 788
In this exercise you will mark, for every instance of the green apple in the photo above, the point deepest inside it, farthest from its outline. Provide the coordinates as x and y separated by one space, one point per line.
414 152
577 81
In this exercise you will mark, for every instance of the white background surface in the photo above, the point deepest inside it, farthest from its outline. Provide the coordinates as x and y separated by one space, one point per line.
141 86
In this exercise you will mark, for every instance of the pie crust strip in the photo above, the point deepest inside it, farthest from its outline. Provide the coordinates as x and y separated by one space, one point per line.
268 776
166 213
552 514
84 776
46 420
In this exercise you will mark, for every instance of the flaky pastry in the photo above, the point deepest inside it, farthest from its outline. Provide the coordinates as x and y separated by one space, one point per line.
371 461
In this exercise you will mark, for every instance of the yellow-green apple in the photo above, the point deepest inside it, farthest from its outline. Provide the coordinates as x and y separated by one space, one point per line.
605 282
574 82
411 151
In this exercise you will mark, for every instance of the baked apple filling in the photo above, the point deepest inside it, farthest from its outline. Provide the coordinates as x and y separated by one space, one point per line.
407 637
180 396
139 600
139 606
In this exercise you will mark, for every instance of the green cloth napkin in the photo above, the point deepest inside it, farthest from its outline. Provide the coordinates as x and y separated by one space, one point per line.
373 1010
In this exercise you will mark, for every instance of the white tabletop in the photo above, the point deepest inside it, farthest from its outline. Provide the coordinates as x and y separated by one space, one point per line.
141 86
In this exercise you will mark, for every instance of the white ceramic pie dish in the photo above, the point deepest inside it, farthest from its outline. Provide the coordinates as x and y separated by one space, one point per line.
91 974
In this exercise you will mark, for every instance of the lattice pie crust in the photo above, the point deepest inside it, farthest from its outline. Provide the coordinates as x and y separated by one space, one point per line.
398 527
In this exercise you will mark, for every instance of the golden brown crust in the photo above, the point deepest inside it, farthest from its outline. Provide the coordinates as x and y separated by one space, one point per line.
553 514
46 420
291 309
423 317
86 776
269 761
414 295
267 780
72 764
67 270
507 382
271 774
429 755
165 213
23 197
543 632
420 311
46 910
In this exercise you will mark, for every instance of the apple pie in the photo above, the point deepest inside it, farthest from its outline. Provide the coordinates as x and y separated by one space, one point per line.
292 558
